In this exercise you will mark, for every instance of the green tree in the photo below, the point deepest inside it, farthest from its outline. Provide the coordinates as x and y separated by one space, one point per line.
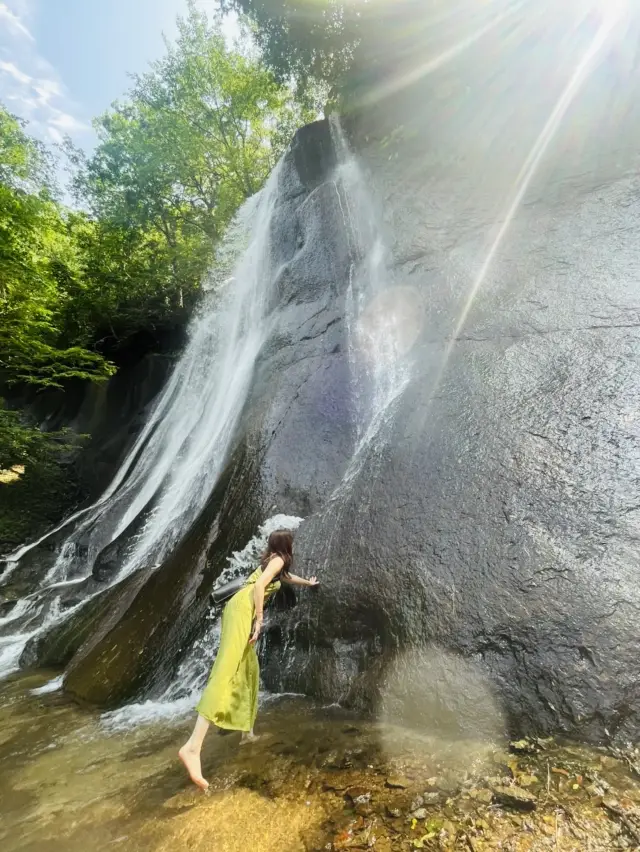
37 263
307 40
357 46
198 134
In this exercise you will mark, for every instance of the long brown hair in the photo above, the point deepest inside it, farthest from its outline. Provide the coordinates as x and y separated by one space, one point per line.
280 544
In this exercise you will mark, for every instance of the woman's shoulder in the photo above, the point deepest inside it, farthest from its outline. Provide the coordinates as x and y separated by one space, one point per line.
275 563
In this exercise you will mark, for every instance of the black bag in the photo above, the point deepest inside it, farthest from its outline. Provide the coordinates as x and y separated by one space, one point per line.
224 593
284 599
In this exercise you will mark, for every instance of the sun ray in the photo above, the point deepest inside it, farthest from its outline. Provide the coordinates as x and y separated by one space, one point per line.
529 168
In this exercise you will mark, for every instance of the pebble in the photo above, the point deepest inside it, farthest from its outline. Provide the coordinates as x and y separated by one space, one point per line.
358 795
522 747
332 760
515 797
448 783
397 782
484 796
419 813
608 762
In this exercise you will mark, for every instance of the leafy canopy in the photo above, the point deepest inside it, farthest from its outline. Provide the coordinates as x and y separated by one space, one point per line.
193 138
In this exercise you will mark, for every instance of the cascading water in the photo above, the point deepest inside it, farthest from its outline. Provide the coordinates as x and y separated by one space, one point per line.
382 323
166 478
170 472
383 319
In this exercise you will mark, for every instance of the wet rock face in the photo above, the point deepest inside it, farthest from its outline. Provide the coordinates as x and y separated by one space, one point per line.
112 413
300 412
497 515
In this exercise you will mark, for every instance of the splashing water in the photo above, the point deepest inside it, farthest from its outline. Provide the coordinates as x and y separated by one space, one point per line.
51 686
174 464
180 698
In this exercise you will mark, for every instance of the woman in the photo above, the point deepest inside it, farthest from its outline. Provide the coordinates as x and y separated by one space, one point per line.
230 699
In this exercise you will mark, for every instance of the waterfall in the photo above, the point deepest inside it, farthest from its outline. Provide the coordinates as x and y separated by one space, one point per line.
379 317
172 468
383 320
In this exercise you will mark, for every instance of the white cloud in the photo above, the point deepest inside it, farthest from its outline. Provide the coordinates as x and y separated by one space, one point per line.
67 122
29 85
47 89
14 22
18 75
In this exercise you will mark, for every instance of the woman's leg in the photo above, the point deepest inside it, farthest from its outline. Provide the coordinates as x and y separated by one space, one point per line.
247 737
189 754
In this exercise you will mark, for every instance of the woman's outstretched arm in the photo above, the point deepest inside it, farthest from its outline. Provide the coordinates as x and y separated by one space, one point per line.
300 581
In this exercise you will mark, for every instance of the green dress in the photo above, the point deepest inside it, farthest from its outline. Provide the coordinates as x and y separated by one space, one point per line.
230 698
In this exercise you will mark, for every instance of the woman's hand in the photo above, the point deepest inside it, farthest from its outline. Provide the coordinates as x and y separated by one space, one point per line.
300 581
257 629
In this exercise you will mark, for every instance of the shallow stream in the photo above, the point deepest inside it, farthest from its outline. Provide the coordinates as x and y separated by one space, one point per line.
318 779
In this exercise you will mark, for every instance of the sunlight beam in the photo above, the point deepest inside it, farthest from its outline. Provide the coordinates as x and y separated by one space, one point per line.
530 166
394 86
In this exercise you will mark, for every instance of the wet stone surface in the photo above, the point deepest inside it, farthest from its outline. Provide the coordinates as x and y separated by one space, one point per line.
316 780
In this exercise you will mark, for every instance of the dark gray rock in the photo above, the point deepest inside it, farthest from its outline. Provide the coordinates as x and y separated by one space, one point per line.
515 797
55 647
496 517
111 414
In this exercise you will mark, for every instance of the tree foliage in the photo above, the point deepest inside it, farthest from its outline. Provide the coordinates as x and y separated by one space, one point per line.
306 40
21 445
38 264
355 46
194 137
199 133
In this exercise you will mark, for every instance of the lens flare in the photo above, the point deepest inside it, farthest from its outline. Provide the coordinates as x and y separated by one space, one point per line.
610 19
392 322
440 702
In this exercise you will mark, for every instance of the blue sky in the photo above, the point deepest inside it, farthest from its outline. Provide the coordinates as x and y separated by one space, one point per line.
64 61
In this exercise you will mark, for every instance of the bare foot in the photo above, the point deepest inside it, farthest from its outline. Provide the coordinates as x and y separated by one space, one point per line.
191 760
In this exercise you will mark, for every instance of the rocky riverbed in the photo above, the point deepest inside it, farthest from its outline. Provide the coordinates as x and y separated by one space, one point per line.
318 779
